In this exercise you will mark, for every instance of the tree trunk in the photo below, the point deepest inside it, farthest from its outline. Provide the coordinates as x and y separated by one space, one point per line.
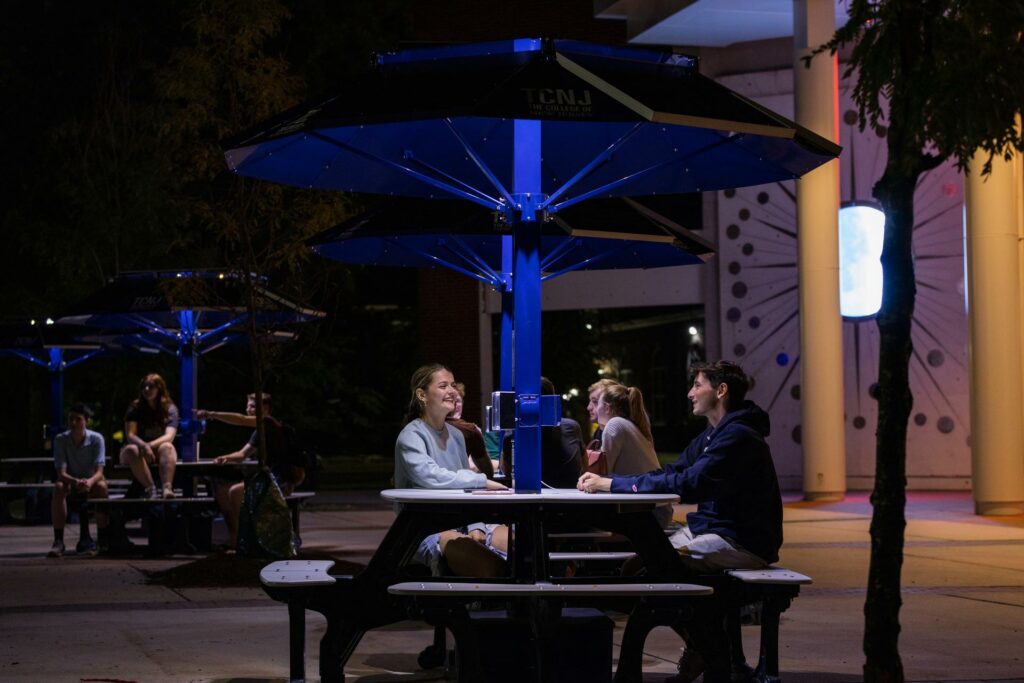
895 191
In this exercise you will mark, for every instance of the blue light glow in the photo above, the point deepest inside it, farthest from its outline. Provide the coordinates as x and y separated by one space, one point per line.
861 229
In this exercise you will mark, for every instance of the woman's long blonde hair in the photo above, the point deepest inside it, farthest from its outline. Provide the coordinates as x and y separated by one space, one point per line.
628 402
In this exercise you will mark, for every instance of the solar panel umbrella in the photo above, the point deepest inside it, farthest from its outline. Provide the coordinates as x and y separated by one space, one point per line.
188 314
529 128
54 347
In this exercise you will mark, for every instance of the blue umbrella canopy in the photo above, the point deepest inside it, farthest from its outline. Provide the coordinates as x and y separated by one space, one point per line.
188 314
596 235
529 128
613 122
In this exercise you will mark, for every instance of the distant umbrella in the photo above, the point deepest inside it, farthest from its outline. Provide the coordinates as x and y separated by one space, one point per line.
189 314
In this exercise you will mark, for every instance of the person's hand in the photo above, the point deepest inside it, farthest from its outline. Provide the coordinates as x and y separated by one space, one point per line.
201 414
494 485
148 454
81 485
220 460
478 535
592 483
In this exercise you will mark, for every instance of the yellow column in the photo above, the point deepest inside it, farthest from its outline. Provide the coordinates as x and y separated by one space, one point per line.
817 208
994 308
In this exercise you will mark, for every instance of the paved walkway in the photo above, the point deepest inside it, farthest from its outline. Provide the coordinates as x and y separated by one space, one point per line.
76 619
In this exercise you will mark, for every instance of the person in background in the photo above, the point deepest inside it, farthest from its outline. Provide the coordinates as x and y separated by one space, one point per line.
151 424
78 456
561 449
594 392
287 474
476 449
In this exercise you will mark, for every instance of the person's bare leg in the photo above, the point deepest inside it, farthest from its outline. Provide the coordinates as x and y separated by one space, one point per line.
136 461
99 491
235 495
466 557
168 459
59 505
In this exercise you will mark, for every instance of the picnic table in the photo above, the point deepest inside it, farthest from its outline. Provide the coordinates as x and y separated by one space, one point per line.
353 605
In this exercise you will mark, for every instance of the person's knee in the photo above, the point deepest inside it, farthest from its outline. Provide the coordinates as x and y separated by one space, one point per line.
99 489
129 454
60 490
167 453
466 557
447 536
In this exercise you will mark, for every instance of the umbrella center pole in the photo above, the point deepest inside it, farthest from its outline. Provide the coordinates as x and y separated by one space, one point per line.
526 297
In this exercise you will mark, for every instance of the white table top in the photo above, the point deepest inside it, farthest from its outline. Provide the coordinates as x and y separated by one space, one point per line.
546 496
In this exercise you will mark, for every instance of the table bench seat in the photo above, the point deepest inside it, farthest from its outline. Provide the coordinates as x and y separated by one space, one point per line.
478 589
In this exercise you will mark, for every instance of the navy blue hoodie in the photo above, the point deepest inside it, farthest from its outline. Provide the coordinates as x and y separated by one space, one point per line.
728 472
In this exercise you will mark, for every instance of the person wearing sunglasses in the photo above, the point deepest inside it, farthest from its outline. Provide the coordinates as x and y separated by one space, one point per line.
151 424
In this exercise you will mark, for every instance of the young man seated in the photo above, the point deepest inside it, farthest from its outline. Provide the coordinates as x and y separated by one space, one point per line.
78 457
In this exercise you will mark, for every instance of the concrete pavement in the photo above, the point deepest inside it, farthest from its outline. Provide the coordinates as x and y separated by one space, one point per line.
76 618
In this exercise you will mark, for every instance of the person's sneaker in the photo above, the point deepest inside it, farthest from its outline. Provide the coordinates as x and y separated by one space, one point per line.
86 546
151 492
56 550
168 492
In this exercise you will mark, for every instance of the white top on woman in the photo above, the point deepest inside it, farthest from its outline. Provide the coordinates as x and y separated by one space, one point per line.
422 462
628 451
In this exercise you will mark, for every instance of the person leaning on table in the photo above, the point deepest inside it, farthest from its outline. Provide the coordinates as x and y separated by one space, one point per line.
728 472
431 454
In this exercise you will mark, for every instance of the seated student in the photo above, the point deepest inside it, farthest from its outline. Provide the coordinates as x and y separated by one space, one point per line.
288 474
151 424
594 392
431 454
78 456
626 437
561 449
729 473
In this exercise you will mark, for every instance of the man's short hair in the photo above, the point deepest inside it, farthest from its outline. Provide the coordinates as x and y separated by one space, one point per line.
81 409
266 398
724 372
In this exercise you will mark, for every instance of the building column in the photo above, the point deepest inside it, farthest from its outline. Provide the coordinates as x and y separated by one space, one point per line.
817 206
994 308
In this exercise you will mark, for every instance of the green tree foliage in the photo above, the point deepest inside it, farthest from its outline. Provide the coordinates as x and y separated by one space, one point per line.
117 112
940 79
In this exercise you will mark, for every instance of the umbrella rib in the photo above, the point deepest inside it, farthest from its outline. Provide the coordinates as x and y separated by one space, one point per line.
153 343
479 162
440 261
471 255
151 326
406 170
583 263
30 358
592 165
633 176
203 336
83 357
558 252
455 181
